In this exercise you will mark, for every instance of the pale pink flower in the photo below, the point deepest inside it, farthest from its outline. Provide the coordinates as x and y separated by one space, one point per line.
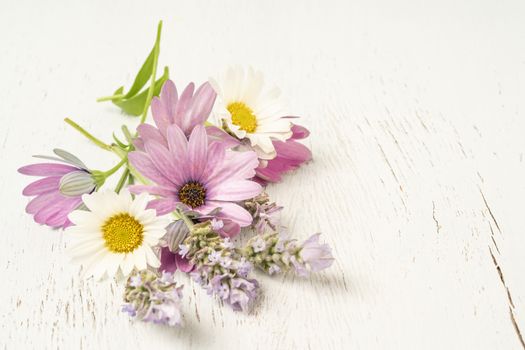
60 189
289 156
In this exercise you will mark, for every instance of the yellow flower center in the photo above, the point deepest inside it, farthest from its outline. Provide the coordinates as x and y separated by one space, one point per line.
243 116
122 233
192 194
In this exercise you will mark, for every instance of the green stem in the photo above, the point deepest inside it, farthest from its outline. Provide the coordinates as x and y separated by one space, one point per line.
186 219
127 134
122 180
110 98
88 135
153 74
116 167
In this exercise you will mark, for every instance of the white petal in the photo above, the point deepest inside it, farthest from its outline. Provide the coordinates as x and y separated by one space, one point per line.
152 259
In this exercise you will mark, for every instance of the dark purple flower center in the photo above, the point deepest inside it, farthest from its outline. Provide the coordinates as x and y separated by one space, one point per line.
193 194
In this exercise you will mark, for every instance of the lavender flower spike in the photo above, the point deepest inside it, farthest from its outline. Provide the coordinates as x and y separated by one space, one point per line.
151 298
273 253
317 256
219 269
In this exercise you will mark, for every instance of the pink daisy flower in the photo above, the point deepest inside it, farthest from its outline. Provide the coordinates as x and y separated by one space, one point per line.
201 175
60 190
289 156
192 108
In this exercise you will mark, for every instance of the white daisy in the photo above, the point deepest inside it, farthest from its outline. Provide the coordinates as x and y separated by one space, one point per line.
250 112
117 234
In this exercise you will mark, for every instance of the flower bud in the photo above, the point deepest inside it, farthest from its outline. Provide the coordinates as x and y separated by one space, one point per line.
77 183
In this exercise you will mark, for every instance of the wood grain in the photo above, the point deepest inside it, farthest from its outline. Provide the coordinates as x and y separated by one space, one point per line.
416 113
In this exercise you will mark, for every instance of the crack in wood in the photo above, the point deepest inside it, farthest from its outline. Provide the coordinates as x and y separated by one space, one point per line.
516 327
490 211
438 226
509 298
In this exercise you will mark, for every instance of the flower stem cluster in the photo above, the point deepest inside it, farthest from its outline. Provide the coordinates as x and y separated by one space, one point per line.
266 214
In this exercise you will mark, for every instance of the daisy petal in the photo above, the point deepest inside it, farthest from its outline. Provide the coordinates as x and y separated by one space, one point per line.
235 190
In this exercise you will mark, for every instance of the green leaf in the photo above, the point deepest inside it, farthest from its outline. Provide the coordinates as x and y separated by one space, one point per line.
135 102
135 106
143 75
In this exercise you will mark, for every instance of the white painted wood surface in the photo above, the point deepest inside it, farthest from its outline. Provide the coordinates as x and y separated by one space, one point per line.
417 116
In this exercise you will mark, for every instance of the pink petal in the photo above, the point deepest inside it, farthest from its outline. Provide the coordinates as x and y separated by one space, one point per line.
163 160
183 264
202 104
169 98
216 154
177 143
145 166
182 106
238 165
41 201
46 169
292 150
230 229
197 152
299 132
139 144
216 134
162 205
160 116
234 212
56 215
150 133
167 260
45 185
234 190
153 190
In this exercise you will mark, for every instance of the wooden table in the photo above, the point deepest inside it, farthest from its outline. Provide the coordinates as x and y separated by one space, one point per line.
417 118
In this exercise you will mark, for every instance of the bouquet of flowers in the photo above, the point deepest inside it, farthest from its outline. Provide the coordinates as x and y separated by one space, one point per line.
190 183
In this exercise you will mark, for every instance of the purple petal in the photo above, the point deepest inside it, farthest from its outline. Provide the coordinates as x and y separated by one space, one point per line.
56 215
46 169
41 201
45 185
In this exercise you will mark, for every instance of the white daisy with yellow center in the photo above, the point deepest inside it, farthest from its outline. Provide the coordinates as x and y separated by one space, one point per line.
116 234
249 112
